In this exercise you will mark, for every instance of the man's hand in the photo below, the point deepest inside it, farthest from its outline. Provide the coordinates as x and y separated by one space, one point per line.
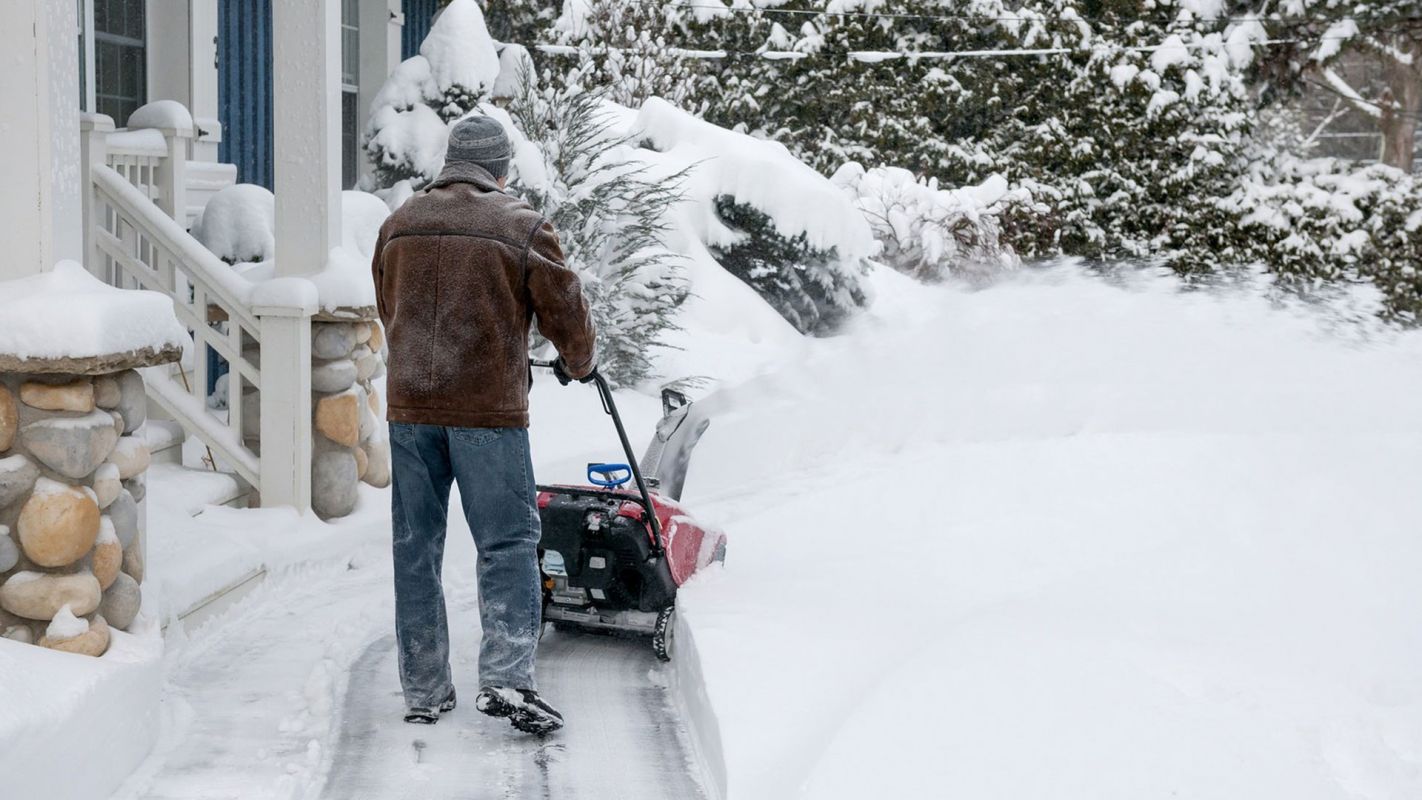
560 371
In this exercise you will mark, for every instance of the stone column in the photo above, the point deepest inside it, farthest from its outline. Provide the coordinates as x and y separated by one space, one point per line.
350 446
72 484
306 64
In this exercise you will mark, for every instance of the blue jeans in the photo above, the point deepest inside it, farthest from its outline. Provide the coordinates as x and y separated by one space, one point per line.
495 475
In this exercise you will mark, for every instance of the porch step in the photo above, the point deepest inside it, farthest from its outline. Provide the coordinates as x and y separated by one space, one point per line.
192 489
165 441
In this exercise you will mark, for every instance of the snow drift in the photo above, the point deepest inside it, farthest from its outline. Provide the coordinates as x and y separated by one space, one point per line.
1068 539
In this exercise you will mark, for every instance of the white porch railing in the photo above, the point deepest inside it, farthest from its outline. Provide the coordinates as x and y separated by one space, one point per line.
133 241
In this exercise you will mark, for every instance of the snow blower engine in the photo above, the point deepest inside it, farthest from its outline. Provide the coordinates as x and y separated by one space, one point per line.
614 554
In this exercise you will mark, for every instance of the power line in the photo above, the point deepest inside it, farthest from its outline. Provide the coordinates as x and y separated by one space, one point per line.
876 56
1036 18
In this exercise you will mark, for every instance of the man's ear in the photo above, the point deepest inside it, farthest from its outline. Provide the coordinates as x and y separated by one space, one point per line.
504 182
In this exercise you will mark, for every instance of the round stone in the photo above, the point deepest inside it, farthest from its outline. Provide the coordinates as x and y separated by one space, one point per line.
73 396
338 418
17 476
377 337
9 551
137 486
362 332
9 419
123 513
131 456
377 453
362 461
107 484
133 400
133 561
18 633
333 376
121 602
368 422
107 557
333 341
58 524
93 642
35 595
71 446
372 399
334 481
106 392
366 364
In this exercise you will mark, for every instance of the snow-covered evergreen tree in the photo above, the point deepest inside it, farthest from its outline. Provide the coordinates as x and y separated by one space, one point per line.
456 69
628 50
813 289
611 218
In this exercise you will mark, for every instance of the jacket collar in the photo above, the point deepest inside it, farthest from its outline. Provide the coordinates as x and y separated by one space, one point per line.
465 172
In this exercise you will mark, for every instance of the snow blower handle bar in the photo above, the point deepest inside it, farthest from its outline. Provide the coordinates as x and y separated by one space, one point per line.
610 407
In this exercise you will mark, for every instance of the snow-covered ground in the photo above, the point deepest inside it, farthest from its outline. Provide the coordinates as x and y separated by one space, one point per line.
1064 537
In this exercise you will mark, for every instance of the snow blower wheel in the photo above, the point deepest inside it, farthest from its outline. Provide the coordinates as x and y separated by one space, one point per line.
664 635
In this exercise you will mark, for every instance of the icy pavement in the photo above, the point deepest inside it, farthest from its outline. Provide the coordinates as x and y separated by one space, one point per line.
294 694
621 740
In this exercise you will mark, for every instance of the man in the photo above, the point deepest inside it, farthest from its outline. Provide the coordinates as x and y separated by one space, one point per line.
461 271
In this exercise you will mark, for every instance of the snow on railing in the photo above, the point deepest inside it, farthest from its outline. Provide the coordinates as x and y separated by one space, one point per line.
141 247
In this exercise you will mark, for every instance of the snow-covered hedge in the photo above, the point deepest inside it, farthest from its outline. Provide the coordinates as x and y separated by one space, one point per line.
1324 219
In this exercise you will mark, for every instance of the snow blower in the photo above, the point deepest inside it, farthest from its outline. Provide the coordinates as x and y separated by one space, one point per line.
613 555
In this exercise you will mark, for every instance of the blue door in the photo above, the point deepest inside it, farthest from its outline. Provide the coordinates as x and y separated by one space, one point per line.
244 87
419 16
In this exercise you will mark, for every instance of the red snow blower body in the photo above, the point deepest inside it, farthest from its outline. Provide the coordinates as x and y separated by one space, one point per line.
614 552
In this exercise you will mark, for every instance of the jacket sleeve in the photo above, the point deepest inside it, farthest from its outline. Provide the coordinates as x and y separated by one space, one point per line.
377 273
556 297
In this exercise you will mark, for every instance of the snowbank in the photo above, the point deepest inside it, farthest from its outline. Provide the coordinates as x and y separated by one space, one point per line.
1069 539
68 313
758 173
74 727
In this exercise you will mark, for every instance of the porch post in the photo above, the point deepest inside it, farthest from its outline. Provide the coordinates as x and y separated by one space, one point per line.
40 136
306 112
286 400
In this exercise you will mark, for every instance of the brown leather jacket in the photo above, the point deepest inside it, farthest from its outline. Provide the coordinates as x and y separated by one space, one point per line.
461 271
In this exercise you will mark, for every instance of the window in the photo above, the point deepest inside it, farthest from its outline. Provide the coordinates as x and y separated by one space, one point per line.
350 89
120 58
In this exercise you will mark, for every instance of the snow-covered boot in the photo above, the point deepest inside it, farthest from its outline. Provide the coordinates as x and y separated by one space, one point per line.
524 708
421 715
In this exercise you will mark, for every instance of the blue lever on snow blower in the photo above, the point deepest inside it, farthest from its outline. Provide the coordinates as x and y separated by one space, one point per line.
612 474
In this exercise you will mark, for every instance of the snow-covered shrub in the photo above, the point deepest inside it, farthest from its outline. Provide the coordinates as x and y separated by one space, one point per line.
813 289
456 69
930 233
1311 220
765 215
238 224
611 218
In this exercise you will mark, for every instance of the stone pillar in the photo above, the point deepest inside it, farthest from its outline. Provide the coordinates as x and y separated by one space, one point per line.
306 62
40 136
348 355
72 484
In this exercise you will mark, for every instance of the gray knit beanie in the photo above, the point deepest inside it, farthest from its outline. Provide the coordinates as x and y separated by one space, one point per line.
481 141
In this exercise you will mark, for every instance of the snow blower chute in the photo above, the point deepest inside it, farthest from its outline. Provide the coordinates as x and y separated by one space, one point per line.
612 555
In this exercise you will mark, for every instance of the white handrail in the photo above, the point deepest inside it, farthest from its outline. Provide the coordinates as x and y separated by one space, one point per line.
143 248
